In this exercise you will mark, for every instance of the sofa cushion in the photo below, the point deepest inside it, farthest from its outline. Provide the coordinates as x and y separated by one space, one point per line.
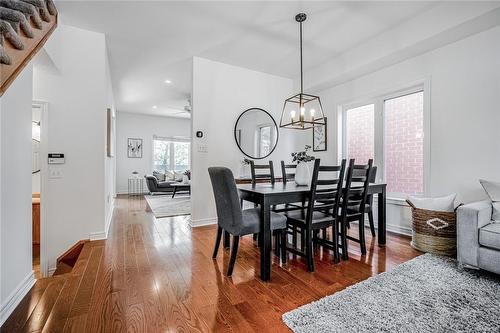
159 175
489 235
165 184
493 191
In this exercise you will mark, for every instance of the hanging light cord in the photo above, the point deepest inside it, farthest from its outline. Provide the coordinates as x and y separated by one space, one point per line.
301 70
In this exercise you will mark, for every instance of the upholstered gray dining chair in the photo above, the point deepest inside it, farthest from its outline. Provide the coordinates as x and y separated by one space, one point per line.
234 220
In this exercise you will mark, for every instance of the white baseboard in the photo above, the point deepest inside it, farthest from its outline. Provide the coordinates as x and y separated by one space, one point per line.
16 296
93 236
109 218
202 222
52 270
399 229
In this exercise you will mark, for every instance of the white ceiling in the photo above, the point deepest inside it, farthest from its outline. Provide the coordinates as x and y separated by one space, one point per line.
150 42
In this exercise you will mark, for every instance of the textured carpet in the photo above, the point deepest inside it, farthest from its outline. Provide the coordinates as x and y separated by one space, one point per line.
426 294
164 205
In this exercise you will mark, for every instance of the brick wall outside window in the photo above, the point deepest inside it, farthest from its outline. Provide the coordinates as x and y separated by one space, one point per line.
404 144
360 133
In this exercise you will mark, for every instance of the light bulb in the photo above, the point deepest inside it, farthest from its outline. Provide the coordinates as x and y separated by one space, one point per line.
292 114
312 113
302 110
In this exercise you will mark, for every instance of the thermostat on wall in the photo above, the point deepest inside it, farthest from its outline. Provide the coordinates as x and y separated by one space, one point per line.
56 158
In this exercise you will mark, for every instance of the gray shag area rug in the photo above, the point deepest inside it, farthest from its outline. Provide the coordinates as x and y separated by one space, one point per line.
426 294
165 206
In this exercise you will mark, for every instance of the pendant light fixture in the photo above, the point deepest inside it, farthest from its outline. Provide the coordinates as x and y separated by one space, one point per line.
302 111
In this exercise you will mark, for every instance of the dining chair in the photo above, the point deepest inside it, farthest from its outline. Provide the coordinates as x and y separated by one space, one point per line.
322 211
354 200
369 198
256 174
235 220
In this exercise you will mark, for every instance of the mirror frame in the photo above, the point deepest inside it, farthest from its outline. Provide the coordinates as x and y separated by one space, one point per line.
275 125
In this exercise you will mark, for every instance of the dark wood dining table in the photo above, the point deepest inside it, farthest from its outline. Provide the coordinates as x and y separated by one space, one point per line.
267 195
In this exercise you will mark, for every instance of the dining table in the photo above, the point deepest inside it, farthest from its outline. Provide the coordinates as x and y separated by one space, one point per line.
267 195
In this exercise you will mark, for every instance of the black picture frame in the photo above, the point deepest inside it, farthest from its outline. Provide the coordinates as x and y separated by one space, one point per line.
323 144
134 150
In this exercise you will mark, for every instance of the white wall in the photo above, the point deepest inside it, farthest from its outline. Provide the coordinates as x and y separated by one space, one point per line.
465 114
220 93
109 161
16 275
70 74
132 125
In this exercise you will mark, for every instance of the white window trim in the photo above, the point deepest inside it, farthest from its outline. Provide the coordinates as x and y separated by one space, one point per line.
378 100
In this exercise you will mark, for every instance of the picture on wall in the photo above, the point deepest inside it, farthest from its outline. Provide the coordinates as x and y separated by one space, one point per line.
319 137
134 148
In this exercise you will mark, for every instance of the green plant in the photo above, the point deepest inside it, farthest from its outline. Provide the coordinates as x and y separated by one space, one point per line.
301 156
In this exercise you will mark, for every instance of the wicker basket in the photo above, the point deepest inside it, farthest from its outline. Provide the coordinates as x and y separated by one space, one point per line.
434 232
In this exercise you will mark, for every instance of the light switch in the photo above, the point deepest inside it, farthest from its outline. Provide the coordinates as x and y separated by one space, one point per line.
202 148
56 173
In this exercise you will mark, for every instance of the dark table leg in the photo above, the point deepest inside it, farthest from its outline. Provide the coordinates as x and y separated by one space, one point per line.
381 216
265 250
175 190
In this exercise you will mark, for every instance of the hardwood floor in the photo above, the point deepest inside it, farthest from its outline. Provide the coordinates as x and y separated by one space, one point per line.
157 275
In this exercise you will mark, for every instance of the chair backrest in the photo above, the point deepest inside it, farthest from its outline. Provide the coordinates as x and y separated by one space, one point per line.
227 200
256 174
326 189
362 173
284 174
356 196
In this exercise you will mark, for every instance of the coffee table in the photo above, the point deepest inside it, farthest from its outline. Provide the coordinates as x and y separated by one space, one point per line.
178 187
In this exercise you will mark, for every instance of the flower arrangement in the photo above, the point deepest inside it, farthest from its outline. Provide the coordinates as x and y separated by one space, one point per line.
187 173
302 156
245 161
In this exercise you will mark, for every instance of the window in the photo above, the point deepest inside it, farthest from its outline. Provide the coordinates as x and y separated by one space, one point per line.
391 131
264 140
170 154
359 133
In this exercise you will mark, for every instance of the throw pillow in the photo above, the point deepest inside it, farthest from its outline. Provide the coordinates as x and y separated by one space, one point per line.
178 176
440 204
169 175
160 176
493 191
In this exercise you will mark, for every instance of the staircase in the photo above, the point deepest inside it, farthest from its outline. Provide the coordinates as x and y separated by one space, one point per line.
59 303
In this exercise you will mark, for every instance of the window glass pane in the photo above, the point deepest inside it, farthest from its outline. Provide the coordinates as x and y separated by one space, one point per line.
181 156
161 155
360 128
404 143
265 141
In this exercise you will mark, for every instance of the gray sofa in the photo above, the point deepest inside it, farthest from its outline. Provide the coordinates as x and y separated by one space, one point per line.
478 238
154 186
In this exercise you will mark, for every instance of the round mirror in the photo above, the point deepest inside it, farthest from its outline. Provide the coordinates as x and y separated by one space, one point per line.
256 133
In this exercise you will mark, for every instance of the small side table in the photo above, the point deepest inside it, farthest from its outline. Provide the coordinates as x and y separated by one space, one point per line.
135 186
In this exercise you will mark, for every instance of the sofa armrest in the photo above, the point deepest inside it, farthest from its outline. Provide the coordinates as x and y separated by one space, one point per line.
470 218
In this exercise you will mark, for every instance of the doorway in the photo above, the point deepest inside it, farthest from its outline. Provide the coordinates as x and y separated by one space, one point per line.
38 176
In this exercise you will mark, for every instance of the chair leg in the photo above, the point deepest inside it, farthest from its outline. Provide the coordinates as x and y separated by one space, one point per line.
217 242
276 243
234 253
344 240
302 239
372 225
255 236
294 236
283 242
336 254
362 242
309 250
226 240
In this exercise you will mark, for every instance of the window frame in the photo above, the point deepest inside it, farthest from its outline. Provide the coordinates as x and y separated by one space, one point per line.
171 142
378 100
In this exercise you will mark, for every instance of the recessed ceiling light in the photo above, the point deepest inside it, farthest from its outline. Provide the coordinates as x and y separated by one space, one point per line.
155 107
168 81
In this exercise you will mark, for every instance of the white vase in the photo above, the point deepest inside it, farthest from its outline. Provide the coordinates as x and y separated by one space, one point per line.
303 173
185 179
